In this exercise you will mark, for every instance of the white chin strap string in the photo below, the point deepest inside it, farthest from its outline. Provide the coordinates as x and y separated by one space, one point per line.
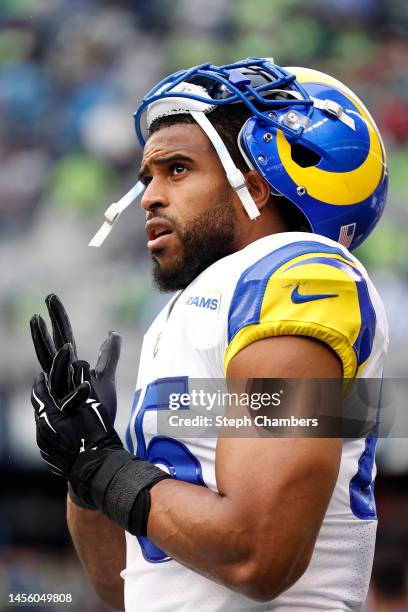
235 177
113 213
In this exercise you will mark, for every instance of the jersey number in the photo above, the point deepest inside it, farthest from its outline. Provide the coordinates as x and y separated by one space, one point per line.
171 454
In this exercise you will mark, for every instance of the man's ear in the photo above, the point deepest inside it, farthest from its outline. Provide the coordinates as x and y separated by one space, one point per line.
258 188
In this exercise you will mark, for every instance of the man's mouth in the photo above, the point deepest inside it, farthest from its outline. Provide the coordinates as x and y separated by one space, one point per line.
158 231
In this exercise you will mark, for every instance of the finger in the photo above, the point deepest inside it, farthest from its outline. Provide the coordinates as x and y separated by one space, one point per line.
81 372
61 326
61 374
59 461
76 398
109 354
94 417
40 396
105 391
43 345
48 460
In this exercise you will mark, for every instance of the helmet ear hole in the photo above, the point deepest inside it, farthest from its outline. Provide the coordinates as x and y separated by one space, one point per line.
303 156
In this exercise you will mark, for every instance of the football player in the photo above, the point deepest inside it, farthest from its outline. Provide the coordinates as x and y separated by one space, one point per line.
258 182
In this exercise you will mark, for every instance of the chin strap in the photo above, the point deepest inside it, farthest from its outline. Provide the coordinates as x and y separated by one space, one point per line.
113 213
235 177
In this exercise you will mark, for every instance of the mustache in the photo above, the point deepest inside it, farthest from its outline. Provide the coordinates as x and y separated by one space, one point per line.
173 223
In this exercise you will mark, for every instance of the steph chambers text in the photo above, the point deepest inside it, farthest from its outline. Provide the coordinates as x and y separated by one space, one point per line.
260 420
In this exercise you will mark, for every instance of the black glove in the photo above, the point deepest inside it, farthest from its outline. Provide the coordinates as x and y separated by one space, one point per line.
60 377
59 373
79 443
73 424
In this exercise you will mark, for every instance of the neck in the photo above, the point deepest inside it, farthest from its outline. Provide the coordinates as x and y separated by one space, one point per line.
269 222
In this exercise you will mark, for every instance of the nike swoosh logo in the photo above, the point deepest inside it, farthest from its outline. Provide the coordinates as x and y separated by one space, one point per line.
299 298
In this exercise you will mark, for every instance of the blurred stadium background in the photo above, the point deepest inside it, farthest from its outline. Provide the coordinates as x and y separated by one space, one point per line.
71 74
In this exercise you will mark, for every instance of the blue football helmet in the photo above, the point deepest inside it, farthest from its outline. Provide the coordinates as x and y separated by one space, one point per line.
308 135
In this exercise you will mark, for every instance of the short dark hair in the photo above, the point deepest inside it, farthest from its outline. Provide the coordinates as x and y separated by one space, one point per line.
228 121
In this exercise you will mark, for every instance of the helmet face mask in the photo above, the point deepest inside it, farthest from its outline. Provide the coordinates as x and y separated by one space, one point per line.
254 82
309 136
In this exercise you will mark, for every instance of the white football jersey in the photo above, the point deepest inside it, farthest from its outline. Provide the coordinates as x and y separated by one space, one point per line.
239 299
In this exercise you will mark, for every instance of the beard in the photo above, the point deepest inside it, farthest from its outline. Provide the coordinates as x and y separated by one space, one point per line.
208 238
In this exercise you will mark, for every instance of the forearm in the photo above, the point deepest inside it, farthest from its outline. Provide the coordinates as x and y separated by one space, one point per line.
204 531
100 545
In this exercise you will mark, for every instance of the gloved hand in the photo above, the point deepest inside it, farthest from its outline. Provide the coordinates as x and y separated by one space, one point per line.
74 424
102 377
59 372
79 443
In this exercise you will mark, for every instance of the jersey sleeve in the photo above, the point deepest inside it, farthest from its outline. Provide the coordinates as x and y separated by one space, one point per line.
304 289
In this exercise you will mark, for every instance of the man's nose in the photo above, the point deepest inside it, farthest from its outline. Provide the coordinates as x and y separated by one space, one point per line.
154 196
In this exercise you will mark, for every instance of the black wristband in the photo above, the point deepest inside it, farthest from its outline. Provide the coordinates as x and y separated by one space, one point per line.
139 514
113 481
124 496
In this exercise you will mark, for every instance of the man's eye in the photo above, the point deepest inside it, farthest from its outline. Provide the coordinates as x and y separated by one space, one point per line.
178 168
146 180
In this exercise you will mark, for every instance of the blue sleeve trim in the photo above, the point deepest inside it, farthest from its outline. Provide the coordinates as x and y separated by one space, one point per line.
362 500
